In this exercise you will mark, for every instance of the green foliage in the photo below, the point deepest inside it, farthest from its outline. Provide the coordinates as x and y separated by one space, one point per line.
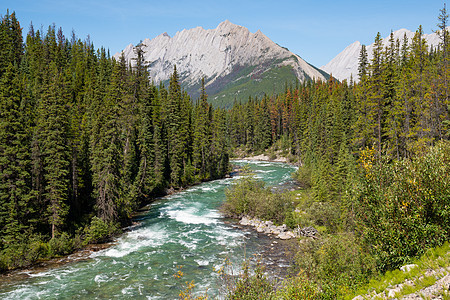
99 231
298 287
60 245
403 206
432 259
246 285
241 196
340 263
249 197
303 176
325 214
24 251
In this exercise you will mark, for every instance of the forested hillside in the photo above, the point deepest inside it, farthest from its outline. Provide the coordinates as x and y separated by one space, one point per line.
85 140
375 165
393 127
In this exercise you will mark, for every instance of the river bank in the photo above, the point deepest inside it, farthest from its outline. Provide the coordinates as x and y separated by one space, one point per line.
276 255
83 253
185 229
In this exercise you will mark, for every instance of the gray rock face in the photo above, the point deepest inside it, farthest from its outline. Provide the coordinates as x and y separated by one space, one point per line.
215 53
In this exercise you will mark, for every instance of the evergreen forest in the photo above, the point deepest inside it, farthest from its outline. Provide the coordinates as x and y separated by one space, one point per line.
85 140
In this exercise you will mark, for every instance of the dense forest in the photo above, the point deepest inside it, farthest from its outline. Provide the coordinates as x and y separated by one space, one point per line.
85 140
374 168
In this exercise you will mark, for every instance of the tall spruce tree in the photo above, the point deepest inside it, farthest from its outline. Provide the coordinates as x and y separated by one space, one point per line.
174 123
15 178
201 135
52 137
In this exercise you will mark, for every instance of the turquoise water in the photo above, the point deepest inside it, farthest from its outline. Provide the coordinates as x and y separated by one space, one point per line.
184 230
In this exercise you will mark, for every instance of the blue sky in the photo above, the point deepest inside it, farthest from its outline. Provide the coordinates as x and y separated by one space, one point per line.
315 30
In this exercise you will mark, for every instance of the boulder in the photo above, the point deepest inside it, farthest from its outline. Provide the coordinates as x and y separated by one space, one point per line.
408 268
244 221
267 230
282 228
284 236
307 232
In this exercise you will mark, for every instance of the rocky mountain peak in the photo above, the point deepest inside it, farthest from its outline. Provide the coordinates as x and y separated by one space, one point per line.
220 55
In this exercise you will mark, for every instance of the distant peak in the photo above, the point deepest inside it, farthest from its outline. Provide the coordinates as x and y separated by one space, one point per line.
163 35
226 25
402 30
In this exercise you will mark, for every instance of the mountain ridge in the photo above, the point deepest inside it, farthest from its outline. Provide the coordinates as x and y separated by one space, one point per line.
227 55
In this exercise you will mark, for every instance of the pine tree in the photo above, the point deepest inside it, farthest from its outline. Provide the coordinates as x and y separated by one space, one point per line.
420 101
393 110
173 122
201 135
106 151
363 63
219 145
146 182
52 134
15 178
11 42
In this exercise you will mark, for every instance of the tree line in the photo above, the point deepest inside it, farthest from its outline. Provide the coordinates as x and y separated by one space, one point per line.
86 139
373 154
374 159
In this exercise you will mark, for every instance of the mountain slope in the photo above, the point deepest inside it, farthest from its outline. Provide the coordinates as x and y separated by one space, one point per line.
230 57
345 64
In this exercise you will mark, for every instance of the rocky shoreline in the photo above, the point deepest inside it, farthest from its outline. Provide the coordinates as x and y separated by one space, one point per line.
281 232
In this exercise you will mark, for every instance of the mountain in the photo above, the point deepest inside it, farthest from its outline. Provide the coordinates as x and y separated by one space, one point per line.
236 63
345 64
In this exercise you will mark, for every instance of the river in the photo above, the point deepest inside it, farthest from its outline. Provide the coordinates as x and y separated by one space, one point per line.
181 232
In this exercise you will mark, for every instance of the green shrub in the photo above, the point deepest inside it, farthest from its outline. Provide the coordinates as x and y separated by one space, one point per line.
272 156
324 214
273 207
404 206
247 286
60 245
250 197
3 263
294 219
338 262
24 251
241 196
303 176
298 288
99 231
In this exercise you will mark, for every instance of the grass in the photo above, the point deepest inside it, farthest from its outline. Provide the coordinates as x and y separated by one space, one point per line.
433 259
